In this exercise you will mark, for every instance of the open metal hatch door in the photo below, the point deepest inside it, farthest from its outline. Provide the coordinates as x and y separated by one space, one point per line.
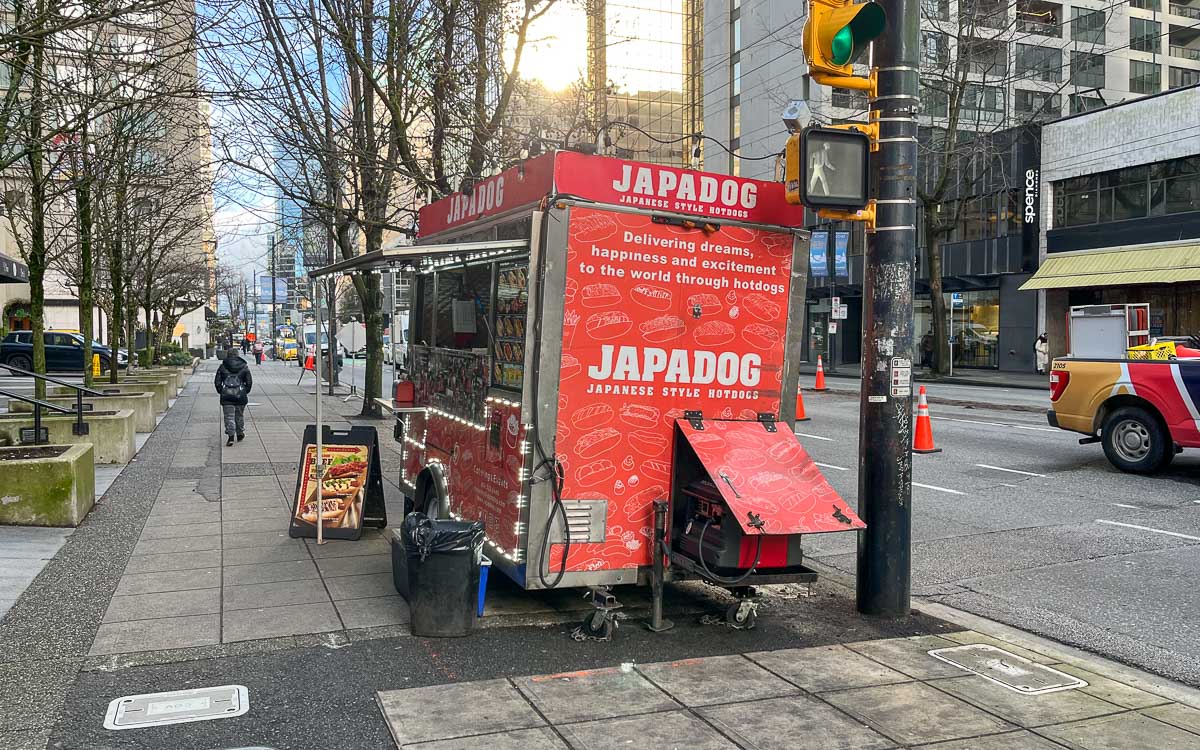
767 476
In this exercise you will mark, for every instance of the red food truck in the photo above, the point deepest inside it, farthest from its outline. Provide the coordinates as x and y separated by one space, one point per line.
604 371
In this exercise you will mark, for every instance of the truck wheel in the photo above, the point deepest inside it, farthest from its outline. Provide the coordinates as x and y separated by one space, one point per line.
1134 441
430 505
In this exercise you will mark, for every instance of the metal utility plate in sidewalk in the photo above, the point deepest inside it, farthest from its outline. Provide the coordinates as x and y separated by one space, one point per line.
1013 672
177 707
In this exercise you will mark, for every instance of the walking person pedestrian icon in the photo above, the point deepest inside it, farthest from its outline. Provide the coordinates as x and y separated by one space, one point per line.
819 162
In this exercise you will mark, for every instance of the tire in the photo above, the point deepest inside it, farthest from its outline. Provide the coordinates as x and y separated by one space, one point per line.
741 618
104 364
21 361
598 625
1135 442
430 504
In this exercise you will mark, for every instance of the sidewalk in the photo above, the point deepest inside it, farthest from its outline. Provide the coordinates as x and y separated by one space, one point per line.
184 577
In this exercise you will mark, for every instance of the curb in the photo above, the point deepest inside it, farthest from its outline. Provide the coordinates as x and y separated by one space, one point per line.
951 380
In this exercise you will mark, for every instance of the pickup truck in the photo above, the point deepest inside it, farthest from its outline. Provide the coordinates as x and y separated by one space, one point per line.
64 351
1142 411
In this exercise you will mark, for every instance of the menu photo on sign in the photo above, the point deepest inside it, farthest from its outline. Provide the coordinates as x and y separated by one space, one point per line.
349 495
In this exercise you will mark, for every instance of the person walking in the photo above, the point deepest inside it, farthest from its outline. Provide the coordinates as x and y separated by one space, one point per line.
245 345
1041 350
233 383
258 352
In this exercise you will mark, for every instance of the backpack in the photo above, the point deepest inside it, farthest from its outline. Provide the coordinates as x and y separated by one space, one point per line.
232 387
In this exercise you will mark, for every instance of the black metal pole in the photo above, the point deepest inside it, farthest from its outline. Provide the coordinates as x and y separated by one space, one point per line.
885 413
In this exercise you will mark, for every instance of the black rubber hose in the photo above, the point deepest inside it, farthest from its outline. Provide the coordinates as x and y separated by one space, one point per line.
714 576
556 490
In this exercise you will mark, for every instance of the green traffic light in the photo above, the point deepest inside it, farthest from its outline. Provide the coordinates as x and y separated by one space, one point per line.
851 40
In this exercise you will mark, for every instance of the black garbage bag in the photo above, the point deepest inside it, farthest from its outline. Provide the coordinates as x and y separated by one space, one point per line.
443 574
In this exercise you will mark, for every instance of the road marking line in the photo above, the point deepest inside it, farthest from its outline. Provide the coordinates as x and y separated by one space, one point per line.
815 437
1005 484
1147 528
939 489
831 466
1000 424
1014 471
1123 505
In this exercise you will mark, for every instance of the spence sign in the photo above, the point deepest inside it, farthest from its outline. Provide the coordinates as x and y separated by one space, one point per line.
1032 190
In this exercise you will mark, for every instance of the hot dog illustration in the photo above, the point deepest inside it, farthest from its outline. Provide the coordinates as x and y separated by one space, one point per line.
570 367
639 416
786 451
652 297
713 333
608 325
599 295
656 469
709 304
663 328
592 227
597 442
738 234
648 443
595 472
760 335
571 290
746 458
591 417
761 307
769 482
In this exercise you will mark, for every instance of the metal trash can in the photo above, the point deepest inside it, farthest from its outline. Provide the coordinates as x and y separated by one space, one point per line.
443 574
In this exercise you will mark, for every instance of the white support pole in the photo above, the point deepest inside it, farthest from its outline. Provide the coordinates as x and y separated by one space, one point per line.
319 469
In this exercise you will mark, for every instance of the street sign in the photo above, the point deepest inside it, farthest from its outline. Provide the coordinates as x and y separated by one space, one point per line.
833 326
956 299
833 171
901 377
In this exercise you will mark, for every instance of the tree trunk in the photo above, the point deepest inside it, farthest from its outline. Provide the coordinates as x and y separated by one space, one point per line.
37 260
83 199
937 301
373 317
116 317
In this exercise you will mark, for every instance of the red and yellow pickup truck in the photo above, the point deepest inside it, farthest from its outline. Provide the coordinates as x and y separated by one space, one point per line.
1142 411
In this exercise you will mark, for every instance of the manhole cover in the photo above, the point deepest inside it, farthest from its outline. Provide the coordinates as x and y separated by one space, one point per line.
177 707
1012 671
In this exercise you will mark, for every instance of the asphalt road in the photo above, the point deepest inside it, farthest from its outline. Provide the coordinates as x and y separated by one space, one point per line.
1017 522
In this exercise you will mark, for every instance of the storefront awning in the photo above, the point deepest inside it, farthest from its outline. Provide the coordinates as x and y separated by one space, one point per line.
1119 266
417 255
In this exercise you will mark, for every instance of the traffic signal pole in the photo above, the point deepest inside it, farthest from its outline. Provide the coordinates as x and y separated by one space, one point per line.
885 408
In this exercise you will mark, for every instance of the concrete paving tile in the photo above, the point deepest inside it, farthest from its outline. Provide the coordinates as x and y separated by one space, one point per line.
164 604
912 713
1026 710
182 530
799 721
360 587
256 539
1021 740
170 510
593 694
1127 731
237 512
1184 717
1112 691
965 637
255 555
272 622
910 655
827 668
436 712
274 521
168 580
374 544
673 729
276 594
716 679
173 561
369 613
520 739
181 519
360 565
182 544
241 575
157 635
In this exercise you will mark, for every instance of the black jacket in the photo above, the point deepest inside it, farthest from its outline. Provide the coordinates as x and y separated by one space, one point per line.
234 365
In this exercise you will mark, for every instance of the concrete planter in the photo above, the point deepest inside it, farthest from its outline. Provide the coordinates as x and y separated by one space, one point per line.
162 372
110 433
46 485
163 390
146 375
140 402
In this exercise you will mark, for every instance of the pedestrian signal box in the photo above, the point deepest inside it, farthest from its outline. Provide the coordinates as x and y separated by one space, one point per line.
827 168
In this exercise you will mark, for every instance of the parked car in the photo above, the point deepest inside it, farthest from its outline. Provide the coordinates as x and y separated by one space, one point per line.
64 351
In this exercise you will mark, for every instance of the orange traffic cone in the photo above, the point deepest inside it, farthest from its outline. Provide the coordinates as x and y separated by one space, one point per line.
308 362
800 415
923 437
819 385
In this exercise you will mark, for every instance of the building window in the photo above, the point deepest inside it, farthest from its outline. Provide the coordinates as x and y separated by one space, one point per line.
991 14
987 57
1132 193
1145 36
1039 63
736 77
983 104
849 99
735 162
934 102
1087 25
1144 77
736 34
735 119
936 10
1083 103
1038 104
1087 69
935 48
1039 17
1181 77
1145 4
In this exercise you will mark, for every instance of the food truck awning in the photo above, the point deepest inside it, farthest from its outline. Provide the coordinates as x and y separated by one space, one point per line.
768 477
418 255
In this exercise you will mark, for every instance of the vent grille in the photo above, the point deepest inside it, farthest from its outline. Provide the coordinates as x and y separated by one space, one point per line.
585 521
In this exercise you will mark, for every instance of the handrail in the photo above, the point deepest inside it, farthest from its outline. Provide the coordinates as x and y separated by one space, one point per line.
48 379
79 428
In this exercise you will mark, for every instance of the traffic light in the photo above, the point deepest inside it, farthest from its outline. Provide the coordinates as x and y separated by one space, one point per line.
836 35
832 168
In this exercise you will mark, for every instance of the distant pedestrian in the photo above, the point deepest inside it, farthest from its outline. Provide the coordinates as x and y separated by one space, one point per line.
258 352
927 349
234 383
245 345
1041 350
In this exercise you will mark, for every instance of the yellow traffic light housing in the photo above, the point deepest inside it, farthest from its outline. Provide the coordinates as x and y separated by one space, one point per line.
793 169
836 35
